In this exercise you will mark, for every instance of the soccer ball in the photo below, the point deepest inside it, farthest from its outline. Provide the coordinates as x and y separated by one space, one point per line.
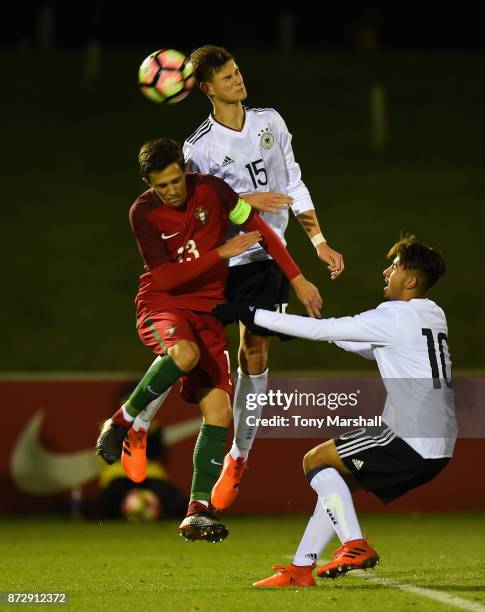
165 76
140 505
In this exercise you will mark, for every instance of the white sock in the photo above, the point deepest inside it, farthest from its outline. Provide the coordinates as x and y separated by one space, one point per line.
243 433
142 420
337 501
318 534
126 415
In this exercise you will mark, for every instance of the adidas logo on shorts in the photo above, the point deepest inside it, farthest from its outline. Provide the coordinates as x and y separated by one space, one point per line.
227 161
358 463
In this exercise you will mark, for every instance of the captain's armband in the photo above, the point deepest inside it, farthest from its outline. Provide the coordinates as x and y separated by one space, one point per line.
240 213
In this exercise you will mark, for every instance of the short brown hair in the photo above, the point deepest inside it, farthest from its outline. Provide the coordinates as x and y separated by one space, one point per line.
414 255
207 60
156 155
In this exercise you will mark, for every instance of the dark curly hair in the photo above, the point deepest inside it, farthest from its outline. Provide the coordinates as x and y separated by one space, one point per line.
155 155
426 260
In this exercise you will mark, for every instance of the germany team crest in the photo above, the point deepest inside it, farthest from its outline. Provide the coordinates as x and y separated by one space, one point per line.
267 139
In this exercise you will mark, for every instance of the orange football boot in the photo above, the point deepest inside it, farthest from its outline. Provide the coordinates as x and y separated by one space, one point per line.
134 455
355 554
289 576
226 488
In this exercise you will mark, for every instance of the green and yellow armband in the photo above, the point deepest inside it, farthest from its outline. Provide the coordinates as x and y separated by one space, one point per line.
240 213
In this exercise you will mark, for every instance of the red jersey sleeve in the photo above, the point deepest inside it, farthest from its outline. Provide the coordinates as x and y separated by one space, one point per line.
272 245
168 274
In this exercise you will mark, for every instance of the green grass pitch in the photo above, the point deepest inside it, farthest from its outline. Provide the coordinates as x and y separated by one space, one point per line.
124 566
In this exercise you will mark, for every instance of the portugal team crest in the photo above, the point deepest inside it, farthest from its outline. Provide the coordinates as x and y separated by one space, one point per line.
171 331
202 215
267 139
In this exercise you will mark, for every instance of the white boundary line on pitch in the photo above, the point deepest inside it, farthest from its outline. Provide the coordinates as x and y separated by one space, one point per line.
445 598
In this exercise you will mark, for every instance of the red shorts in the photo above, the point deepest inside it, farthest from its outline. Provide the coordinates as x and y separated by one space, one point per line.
165 328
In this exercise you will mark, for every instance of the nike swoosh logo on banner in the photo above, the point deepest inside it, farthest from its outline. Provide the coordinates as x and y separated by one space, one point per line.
167 236
38 471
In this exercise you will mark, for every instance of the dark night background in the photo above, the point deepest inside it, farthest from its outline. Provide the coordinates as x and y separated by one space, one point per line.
397 25
73 122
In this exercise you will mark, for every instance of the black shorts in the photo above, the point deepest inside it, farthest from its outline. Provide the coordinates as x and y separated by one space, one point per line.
384 463
261 283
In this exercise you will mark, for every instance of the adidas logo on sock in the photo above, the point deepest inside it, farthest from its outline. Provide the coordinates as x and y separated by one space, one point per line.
331 516
358 463
227 161
312 556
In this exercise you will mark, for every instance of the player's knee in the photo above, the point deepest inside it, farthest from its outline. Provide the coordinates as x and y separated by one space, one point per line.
220 415
313 459
253 359
225 416
186 354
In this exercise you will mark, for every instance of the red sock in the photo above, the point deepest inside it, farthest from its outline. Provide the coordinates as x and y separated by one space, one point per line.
118 417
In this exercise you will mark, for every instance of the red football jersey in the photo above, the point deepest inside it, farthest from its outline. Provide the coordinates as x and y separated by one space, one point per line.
186 235
177 245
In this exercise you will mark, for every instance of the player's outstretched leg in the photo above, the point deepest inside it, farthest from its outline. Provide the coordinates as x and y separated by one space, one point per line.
226 488
133 455
356 554
289 576
200 524
335 496
159 377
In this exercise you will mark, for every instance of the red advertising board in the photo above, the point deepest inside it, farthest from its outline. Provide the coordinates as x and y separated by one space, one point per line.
50 428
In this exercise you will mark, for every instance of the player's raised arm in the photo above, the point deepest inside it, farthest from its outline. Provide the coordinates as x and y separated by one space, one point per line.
308 220
302 205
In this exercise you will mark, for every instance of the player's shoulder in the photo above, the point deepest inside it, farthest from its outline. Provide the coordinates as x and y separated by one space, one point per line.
205 180
392 305
418 307
213 190
208 183
200 135
262 114
260 111
144 203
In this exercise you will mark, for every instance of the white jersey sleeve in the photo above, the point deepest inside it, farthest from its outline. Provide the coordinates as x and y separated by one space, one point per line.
378 327
195 160
364 349
296 187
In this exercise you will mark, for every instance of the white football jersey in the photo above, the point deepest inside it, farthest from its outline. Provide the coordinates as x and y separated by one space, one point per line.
257 158
409 341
